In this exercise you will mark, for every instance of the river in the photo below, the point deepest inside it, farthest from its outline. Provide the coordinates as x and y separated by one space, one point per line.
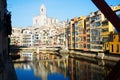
82 68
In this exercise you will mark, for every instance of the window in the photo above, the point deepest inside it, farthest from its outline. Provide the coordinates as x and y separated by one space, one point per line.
76 45
114 37
80 46
80 22
76 39
73 39
76 33
105 30
92 18
84 45
76 27
87 25
105 39
73 45
117 48
87 19
104 23
99 47
76 23
73 34
112 47
84 38
97 24
88 46
98 17
80 38
81 27
88 40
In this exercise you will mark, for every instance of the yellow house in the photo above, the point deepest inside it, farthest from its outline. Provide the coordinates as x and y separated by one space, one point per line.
115 8
110 36
112 46
107 28
87 21
82 33
71 35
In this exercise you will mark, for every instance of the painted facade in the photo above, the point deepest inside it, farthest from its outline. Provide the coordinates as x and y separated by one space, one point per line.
112 37
113 45
95 31
82 33
85 33
71 35
87 22
27 38
16 37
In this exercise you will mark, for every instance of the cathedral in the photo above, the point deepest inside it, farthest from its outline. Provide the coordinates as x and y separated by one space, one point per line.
42 19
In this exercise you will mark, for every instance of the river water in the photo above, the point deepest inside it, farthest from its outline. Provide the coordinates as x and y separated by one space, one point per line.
82 68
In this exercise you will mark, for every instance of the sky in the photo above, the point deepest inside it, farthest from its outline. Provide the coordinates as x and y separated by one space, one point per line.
23 11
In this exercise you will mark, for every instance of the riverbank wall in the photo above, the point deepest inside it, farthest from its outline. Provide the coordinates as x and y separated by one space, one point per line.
97 55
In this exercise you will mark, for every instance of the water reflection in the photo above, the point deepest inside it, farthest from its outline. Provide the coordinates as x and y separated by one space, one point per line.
64 69
51 69
25 71
89 70
48 70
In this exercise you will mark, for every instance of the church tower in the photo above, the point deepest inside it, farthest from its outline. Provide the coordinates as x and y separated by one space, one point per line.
42 19
43 10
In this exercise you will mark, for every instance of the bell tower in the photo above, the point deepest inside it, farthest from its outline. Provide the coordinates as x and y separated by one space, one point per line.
43 10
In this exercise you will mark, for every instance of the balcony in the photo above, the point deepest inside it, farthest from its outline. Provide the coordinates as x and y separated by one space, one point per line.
105 33
105 26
